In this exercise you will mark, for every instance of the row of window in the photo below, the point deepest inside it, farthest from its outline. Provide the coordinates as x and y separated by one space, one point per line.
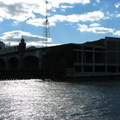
97 57
88 57
87 68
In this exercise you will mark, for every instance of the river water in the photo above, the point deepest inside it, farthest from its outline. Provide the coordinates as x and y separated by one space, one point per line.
40 100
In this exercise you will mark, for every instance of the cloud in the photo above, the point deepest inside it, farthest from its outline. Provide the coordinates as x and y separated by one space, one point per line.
118 15
73 18
17 11
98 1
83 28
92 16
14 38
117 33
36 22
102 30
65 7
117 5
94 29
1 19
94 24
56 3
22 10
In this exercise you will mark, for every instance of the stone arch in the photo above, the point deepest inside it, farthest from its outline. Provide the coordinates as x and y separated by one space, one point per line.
2 64
13 63
30 63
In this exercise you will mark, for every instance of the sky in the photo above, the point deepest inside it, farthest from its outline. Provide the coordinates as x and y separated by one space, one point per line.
70 21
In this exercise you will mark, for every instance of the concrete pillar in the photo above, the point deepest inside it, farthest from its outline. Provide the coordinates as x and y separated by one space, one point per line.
7 63
19 61
40 60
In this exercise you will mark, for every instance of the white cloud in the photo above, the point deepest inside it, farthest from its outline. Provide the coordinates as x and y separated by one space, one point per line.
21 10
83 28
17 11
102 30
24 9
14 38
117 5
90 16
98 1
36 22
65 7
15 23
56 3
94 24
58 18
1 19
117 33
118 15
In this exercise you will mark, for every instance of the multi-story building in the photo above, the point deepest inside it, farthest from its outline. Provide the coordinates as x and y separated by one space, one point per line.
97 58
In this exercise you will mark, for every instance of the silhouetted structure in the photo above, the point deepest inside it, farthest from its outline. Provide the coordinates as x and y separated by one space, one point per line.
2 45
91 59
46 29
22 45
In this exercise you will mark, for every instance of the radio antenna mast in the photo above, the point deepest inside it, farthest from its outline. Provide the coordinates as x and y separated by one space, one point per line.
46 29
22 31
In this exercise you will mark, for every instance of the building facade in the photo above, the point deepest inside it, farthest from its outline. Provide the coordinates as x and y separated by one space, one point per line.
98 58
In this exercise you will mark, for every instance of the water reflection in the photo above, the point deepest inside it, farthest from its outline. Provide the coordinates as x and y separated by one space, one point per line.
34 100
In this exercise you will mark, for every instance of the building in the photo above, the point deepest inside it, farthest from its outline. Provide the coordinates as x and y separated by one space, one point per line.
2 45
97 58
12 49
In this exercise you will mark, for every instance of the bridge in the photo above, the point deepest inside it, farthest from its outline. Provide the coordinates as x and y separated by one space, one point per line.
27 59
21 63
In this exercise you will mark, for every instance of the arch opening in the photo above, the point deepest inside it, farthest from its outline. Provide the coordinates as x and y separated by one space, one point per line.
13 63
2 64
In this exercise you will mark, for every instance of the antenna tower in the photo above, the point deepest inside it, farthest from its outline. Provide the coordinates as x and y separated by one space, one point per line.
22 31
46 29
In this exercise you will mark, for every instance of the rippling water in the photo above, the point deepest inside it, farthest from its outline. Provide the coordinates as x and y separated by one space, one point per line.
38 100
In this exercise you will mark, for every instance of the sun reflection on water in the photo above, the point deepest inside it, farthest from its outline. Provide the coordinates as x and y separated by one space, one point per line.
39 100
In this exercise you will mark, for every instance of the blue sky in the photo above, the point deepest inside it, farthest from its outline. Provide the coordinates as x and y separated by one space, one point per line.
70 21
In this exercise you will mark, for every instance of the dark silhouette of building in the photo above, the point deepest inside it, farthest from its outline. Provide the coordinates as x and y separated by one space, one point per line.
22 45
2 45
90 59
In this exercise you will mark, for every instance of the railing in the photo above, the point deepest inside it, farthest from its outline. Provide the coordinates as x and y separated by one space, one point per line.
9 50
